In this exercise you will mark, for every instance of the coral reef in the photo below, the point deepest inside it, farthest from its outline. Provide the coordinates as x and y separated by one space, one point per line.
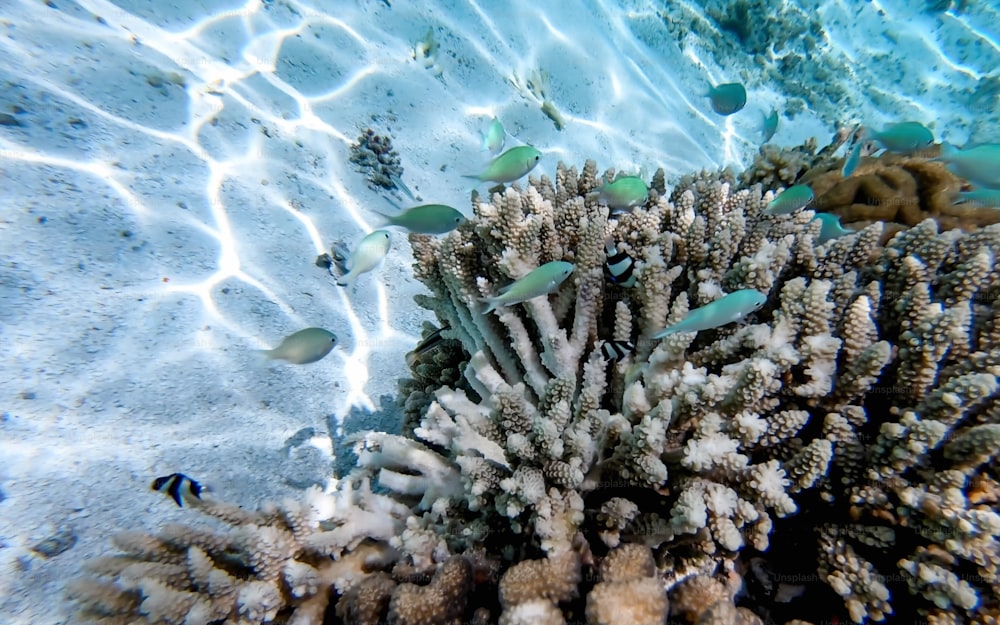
844 436
374 156
250 567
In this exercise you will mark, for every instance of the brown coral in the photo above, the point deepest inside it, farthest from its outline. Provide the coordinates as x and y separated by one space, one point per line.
367 601
441 602
630 592
901 190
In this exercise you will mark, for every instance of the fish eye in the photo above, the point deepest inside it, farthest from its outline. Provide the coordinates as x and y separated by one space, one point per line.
536 158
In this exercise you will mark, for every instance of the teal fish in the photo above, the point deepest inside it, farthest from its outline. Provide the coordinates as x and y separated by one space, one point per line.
624 193
979 165
989 198
510 165
726 309
494 137
770 125
831 228
399 184
852 161
366 257
727 98
303 347
427 219
538 282
790 200
904 137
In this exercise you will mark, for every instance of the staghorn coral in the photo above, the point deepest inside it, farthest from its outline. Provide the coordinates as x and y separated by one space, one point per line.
251 567
843 435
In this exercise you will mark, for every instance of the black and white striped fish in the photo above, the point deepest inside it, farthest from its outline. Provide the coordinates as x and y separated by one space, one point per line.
616 350
179 487
619 266
432 341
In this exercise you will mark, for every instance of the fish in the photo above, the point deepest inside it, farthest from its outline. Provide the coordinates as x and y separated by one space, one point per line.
433 340
427 219
494 137
366 256
399 184
852 161
770 125
726 309
790 200
624 193
979 165
727 98
509 166
537 282
904 137
303 347
620 267
988 198
179 486
831 228
616 351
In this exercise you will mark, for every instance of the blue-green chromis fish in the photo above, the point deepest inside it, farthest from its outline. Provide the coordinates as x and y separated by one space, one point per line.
770 125
988 198
852 161
831 228
303 347
427 219
727 98
726 309
366 257
790 200
904 137
538 282
494 137
979 165
624 193
510 165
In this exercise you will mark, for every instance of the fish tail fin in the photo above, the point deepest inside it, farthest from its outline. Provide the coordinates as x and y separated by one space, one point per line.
387 220
948 151
665 333
491 304
346 280
263 357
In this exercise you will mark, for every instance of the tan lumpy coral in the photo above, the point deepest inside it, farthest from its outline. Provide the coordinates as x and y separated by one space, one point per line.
897 189
442 602
630 591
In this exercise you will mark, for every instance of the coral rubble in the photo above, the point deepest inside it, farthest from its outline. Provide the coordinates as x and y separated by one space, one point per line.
374 156
844 436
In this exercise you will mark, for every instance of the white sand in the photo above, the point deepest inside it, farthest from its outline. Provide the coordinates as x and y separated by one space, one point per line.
152 236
